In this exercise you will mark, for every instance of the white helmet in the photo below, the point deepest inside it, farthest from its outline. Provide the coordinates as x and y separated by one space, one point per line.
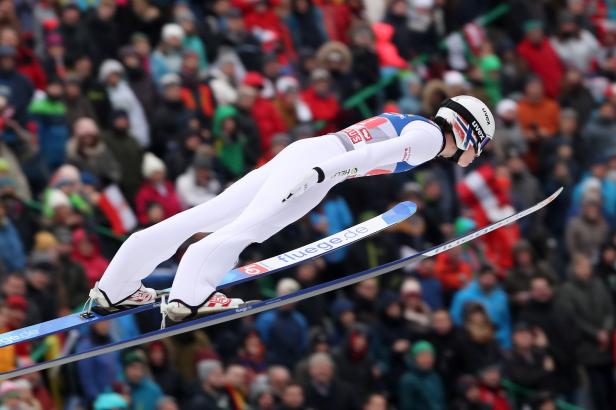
471 122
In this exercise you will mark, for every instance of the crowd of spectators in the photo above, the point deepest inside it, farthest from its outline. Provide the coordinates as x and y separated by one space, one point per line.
117 114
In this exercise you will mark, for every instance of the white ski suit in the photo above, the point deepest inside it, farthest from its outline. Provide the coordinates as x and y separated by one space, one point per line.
251 210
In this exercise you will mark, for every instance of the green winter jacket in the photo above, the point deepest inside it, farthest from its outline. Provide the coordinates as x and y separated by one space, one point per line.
421 390
230 148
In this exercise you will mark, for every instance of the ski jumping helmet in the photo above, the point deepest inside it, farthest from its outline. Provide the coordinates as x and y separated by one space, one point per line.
472 123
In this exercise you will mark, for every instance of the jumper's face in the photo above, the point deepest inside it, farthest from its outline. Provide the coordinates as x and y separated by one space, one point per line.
467 158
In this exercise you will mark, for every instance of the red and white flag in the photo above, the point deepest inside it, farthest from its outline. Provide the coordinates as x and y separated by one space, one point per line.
486 197
117 210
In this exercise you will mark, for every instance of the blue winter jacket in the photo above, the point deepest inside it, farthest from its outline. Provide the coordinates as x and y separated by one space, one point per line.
496 306
12 254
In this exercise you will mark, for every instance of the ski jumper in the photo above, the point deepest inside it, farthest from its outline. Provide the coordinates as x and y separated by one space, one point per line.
251 210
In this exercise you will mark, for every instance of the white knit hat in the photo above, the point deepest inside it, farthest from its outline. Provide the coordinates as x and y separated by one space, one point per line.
58 198
109 67
172 30
410 285
286 286
151 164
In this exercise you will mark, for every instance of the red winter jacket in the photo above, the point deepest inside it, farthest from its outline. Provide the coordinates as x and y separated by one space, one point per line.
322 108
93 263
269 20
269 121
544 62
148 194
29 66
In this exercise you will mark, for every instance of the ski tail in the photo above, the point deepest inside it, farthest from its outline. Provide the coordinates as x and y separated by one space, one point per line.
280 300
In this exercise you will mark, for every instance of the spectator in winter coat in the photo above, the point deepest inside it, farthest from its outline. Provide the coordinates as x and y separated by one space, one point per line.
453 271
587 301
486 291
305 22
421 387
144 392
73 31
155 189
575 46
525 268
95 375
595 135
122 97
284 331
191 41
12 253
477 346
18 88
224 77
211 393
55 61
197 95
354 363
232 145
319 98
139 79
198 184
244 42
52 126
171 118
415 311
103 31
529 365
541 58
88 152
588 231
164 373
538 115
167 58
28 64
508 132
261 18
337 59
86 252
127 151
445 338
77 104
468 395
292 108
551 327
268 119
491 391
324 390
391 338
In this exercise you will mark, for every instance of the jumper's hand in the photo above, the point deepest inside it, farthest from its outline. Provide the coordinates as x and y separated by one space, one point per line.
308 181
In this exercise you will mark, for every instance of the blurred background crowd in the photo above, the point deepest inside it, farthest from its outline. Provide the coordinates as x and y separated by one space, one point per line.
117 114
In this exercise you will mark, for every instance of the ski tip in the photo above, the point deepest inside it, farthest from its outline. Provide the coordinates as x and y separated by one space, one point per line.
399 212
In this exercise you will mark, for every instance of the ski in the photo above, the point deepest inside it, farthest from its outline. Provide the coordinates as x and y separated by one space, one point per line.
294 297
252 271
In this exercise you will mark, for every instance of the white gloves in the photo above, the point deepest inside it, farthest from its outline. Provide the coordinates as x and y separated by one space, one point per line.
308 181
